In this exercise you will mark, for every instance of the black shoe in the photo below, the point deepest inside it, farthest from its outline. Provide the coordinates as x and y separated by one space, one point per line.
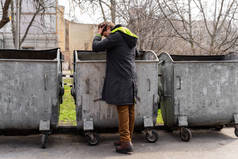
125 148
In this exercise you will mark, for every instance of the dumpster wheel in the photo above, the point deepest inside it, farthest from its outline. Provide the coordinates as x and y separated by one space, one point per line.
236 132
151 136
185 134
93 139
44 140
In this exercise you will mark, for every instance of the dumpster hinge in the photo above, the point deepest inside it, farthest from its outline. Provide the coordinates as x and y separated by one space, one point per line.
88 124
236 118
182 121
44 125
148 121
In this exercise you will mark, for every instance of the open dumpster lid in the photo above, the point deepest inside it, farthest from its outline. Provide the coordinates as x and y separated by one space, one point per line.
230 56
29 54
90 55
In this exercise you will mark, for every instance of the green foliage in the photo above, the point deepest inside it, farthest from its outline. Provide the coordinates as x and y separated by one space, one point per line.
159 120
67 109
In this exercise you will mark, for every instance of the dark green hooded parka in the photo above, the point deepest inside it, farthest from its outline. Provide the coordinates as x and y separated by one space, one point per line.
120 81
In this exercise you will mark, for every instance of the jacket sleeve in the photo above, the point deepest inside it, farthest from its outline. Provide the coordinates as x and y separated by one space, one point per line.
105 44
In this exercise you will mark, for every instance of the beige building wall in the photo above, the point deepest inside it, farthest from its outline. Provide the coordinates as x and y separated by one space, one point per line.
81 36
73 36
61 28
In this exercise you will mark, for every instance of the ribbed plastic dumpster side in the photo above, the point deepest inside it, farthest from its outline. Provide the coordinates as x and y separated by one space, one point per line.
93 113
199 91
31 90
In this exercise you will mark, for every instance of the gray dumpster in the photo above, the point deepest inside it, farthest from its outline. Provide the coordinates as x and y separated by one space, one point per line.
31 90
199 91
93 114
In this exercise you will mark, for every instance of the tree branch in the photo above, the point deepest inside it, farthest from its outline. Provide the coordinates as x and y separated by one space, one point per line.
38 10
5 19
102 10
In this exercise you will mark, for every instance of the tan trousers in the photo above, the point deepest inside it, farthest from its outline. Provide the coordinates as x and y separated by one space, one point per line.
126 117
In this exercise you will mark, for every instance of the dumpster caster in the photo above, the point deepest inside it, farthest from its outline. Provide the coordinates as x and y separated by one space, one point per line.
93 138
44 140
185 134
236 132
151 136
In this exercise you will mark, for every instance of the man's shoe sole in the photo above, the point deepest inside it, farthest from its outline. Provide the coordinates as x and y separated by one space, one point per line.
124 151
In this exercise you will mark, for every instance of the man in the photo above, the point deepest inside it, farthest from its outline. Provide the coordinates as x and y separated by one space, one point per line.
120 82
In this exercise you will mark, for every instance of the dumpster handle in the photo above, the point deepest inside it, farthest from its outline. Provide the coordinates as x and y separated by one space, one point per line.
149 84
46 81
161 62
87 86
179 78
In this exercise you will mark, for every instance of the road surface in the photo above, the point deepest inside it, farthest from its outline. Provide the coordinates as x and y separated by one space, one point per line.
205 144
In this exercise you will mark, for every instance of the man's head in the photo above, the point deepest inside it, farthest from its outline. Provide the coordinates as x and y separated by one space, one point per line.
106 28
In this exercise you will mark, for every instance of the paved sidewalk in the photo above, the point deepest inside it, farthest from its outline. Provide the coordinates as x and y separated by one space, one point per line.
205 144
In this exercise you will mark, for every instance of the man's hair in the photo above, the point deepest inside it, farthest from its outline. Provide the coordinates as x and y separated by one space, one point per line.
106 24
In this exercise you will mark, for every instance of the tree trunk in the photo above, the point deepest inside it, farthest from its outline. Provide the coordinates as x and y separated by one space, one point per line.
113 10
5 18
13 24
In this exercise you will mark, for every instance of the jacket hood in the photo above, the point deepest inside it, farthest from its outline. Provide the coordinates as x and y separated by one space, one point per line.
128 36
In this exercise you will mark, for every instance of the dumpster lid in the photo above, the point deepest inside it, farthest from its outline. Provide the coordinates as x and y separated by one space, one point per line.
229 56
196 58
90 55
29 54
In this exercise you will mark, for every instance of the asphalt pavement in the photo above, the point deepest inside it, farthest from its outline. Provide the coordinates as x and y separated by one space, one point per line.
205 144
